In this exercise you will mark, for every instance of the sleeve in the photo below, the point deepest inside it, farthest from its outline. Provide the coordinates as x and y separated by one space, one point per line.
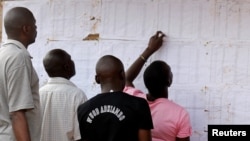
133 91
19 89
145 119
79 101
76 134
81 111
185 128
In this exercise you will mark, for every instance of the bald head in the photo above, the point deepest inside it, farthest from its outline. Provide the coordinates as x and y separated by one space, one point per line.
108 64
15 18
110 72
20 25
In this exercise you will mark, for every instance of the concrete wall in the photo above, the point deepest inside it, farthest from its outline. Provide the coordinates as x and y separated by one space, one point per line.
207 48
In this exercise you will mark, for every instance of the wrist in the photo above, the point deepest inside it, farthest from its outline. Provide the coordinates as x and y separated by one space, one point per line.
147 53
143 58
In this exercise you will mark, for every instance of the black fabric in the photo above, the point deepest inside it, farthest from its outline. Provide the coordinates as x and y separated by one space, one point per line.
113 116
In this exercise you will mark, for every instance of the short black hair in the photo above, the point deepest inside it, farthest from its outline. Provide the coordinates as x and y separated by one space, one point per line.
54 61
156 77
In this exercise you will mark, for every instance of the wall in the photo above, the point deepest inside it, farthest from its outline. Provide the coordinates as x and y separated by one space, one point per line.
207 48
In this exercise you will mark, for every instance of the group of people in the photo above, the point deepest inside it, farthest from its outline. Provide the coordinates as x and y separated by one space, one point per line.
59 111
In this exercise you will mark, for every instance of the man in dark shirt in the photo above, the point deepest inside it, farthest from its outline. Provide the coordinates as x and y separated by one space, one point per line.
114 115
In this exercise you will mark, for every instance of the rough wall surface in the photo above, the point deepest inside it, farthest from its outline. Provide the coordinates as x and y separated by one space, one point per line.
207 48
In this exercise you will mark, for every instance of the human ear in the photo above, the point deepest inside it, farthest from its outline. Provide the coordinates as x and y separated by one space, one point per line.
169 82
25 28
66 67
97 79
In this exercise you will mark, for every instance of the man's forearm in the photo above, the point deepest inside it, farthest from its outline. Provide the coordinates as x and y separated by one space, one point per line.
155 43
134 70
20 126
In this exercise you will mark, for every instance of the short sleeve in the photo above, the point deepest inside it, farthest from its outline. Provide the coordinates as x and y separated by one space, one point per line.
133 91
80 100
185 128
19 89
145 119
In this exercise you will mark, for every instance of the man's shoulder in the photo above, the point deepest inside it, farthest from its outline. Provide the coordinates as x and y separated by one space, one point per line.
134 91
83 107
176 106
77 90
73 90
135 99
11 50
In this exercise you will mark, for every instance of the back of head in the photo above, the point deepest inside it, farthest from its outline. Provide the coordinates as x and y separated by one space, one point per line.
15 18
58 63
110 71
157 77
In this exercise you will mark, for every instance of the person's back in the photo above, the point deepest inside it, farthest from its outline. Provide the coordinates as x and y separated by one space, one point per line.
60 99
166 126
113 115
171 121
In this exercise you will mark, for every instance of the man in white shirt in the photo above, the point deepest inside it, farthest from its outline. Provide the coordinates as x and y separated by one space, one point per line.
19 98
60 99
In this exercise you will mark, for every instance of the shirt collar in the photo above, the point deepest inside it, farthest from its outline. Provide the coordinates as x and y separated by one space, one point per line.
19 45
61 80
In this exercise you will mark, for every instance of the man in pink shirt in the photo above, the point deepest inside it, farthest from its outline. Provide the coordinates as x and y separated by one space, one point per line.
171 121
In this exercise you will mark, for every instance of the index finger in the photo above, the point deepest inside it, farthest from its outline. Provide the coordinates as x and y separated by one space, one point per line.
160 34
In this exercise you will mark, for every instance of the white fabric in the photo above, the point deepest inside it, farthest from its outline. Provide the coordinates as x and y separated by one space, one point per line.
18 89
60 99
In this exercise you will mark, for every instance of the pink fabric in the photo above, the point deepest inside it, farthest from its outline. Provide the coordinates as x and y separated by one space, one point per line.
170 119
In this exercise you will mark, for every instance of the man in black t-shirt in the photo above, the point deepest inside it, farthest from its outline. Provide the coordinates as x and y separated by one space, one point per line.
114 115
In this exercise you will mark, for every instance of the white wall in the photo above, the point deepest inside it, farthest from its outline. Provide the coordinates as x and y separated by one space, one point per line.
207 48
